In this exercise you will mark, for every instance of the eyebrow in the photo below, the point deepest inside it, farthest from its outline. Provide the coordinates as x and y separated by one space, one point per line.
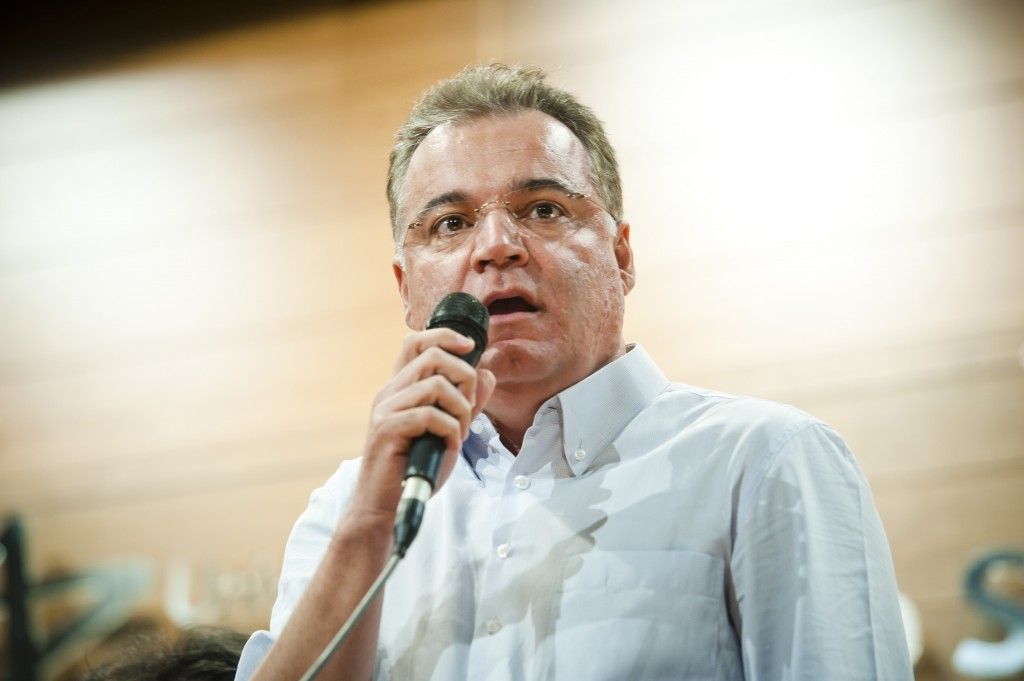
542 182
458 196
455 196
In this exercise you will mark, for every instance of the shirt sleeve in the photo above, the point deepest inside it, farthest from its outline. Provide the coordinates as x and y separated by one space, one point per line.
306 547
814 591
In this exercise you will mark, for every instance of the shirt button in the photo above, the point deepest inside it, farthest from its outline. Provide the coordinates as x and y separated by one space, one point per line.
502 551
521 481
476 427
579 455
493 626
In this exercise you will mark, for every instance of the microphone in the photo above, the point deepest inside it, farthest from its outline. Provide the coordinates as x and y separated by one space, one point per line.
467 315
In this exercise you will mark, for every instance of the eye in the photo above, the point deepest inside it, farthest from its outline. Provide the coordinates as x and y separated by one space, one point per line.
544 210
449 224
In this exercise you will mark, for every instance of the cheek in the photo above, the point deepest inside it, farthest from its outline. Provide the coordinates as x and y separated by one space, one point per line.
590 280
594 258
426 289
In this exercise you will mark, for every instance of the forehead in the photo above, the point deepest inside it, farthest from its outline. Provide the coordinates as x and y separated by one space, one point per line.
484 157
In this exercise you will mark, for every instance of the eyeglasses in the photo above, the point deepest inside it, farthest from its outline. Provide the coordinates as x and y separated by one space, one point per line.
546 211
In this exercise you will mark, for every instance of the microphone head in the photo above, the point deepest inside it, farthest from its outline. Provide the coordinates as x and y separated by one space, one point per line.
463 313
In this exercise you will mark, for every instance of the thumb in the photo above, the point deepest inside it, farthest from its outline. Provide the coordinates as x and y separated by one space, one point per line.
485 384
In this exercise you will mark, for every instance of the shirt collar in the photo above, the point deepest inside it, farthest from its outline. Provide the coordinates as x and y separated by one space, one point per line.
593 411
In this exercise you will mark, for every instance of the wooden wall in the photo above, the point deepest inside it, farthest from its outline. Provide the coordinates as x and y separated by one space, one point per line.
196 302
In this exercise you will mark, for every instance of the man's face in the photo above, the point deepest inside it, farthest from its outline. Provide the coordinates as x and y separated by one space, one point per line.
556 302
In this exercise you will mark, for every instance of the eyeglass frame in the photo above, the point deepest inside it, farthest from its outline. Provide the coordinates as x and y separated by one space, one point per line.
504 203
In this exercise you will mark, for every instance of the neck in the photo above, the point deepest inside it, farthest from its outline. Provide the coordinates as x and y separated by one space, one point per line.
511 418
513 405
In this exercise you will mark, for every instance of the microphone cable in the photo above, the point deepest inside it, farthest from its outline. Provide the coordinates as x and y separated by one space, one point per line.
353 619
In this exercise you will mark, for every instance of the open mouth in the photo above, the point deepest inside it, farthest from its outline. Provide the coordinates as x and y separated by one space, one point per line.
512 305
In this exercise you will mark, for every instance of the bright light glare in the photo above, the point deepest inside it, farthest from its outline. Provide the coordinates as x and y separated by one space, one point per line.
780 124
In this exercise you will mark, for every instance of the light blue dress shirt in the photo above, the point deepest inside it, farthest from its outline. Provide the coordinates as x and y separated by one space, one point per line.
646 530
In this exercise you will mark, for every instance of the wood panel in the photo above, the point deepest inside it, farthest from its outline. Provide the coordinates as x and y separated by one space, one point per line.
827 200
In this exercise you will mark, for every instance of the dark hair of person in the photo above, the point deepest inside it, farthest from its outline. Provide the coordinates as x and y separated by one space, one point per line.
196 654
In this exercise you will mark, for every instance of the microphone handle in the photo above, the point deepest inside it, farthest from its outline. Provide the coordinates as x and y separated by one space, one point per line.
425 457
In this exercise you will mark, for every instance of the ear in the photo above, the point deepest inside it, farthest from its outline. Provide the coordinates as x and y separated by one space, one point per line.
624 258
403 286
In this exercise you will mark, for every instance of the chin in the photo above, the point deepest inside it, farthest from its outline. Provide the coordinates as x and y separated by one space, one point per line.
515 361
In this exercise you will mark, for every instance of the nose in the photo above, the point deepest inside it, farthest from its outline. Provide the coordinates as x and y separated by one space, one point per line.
498 241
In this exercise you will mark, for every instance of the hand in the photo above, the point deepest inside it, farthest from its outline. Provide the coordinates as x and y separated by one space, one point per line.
431 390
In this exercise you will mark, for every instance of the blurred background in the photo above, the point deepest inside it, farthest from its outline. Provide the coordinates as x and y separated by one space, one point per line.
197 305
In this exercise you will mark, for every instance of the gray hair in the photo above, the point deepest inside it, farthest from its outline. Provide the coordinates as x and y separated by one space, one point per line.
496 89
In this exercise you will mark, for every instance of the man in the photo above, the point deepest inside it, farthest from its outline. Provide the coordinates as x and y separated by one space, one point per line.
598 521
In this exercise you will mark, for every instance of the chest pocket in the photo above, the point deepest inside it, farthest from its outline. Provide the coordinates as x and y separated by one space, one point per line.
638 615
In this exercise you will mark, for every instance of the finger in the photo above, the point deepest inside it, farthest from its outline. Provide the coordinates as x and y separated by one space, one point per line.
485 384
417 343
433 391
436 361
412 423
